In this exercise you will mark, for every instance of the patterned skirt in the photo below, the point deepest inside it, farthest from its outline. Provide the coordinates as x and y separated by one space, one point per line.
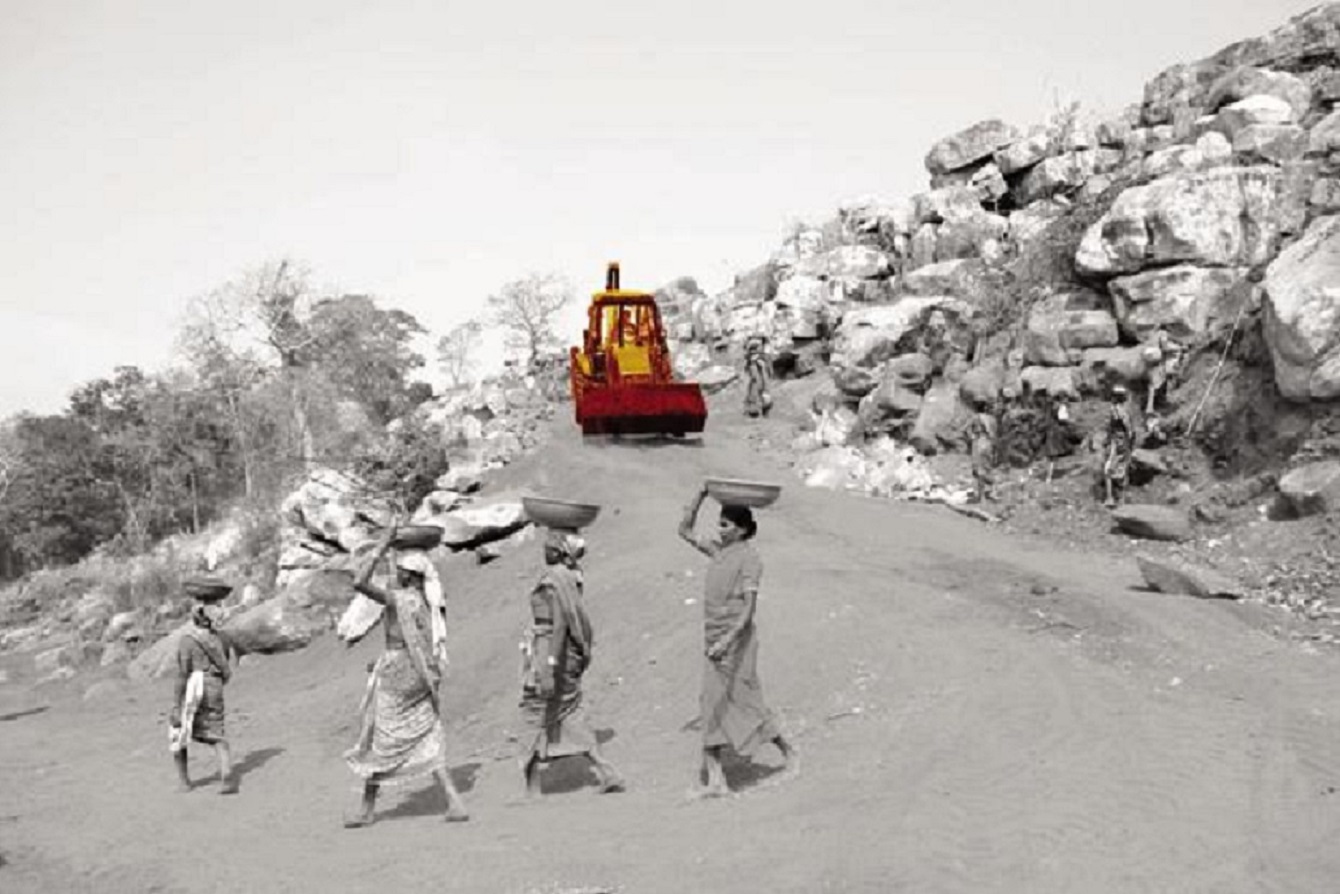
402 736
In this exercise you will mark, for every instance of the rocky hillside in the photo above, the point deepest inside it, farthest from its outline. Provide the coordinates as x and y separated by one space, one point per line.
1056 254
1043 259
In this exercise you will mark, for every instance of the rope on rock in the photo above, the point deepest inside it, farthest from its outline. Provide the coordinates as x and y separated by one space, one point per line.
1219 368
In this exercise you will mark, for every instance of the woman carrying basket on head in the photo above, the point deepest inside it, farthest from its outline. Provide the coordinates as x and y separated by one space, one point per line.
731 706
401 736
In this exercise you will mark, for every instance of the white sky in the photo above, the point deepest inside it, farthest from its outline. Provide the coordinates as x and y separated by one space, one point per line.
427 151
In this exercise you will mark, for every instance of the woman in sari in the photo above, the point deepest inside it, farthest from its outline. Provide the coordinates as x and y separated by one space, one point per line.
203 668
757 401
731 706
402 737
556 652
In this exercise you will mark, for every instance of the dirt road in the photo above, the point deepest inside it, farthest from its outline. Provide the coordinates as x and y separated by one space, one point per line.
974 713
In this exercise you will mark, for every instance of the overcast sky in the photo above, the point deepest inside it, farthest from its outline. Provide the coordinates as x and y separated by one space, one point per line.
427 151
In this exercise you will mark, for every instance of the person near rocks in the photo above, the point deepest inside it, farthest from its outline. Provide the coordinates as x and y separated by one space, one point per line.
1118 441
1156 433
401 736
732 711
934 342
557 650
1059 438
1164 358
204 666
757 400
982 441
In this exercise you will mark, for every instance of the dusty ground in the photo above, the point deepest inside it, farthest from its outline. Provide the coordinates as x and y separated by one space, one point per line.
977 710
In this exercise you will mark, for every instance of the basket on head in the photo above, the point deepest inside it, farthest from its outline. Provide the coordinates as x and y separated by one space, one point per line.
737 492
206 588
564 514
417 537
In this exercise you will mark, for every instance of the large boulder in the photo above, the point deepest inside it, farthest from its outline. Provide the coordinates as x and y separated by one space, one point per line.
891 406
1152 522
806 293
276 625
945 203
1057 174
1187 301
958 277
1312 489
1272 143
970 145
940 419
870 216
1223 217
160 658
1305 41
1253 111
1302 314
1178 577
845 262
1030 222
1210 150
976 234
981 385
1184 85
1024 153
471 526
868 336
1126 364
1244 81
328 509
1053 329
1324 138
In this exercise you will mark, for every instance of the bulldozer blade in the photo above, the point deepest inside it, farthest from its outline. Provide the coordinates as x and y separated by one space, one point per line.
672 409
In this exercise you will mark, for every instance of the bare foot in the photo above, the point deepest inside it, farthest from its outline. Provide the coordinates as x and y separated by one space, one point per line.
184 787
229 787
358 820
456 815
709 792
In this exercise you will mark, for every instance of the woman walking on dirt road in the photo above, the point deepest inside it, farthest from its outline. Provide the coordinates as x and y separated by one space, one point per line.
557 651
731 707
203 667
401 737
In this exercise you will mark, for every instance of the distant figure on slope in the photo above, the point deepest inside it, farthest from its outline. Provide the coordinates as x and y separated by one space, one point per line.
731 707
557 651
1164 358
1118 441
1059 439
757 400
203 668
982 441
401 737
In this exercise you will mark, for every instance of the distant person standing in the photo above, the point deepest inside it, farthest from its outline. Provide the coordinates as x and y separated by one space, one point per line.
204 666
1164 358
757 400
982 439
1118 442
731 707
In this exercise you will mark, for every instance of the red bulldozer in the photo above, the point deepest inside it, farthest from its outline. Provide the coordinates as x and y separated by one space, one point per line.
622 381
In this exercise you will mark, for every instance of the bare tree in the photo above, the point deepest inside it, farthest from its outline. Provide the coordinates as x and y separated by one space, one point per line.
527 309
455 351
262 312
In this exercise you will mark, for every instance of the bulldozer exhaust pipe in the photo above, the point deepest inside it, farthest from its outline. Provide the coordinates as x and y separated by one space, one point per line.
612 276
